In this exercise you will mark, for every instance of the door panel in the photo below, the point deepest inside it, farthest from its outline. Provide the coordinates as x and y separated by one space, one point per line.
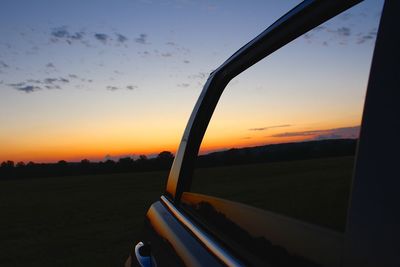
171 243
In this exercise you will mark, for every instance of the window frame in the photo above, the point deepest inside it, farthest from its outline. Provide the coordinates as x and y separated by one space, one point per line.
372 230
302 18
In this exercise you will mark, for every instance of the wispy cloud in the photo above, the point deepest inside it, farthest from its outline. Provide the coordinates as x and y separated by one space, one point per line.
131 87
3 65
371 35
335 133
24 87
34 81
63 34
112 88
269 127
32 85
60 32
166 54
28 88
121 38
344 34
343 31
142 39
102 37
50 80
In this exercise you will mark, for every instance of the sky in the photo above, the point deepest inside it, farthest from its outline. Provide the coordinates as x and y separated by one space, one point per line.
107 79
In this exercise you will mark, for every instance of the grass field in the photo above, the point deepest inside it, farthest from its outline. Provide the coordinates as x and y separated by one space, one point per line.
74 221
92 220
315 190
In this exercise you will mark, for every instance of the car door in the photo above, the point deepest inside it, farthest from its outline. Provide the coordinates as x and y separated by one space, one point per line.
267 205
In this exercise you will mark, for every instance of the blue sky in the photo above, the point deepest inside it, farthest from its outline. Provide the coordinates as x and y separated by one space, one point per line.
79 74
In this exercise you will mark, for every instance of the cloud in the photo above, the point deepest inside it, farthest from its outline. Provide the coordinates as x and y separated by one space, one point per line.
371 35
24 88
28 88
4 65
364 38
50 65
341 35
62 33
131 87
335 133
31 85
55 86
343 31
121 38
142 39
54 80
77 36
269 127
50 80
102 37
34 81
112 88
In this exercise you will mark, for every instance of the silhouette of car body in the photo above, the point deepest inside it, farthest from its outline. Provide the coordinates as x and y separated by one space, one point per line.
174 236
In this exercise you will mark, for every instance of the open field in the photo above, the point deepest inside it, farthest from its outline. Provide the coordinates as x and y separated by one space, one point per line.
92 220
314 190
74 221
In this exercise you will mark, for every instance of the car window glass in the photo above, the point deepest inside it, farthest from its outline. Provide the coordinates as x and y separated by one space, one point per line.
280 147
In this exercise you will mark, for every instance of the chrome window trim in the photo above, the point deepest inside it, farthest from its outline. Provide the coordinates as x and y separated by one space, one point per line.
204 238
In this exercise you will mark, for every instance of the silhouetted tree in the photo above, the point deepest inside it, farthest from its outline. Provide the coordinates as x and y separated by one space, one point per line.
164 160
7 164
142 157
85 162
165 155
20 164
30 164
125 161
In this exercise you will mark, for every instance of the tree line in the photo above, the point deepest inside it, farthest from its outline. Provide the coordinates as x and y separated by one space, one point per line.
249 155
11 170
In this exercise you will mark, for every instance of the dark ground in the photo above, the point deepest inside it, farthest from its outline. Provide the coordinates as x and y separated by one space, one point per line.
93 220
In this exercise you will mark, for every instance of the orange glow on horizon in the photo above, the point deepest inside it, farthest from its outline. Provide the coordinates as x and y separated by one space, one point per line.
98 150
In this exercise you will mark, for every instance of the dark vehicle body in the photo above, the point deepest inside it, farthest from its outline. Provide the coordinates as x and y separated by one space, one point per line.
174 237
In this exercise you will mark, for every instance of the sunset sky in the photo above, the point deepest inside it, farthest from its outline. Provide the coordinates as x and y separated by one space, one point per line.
106 79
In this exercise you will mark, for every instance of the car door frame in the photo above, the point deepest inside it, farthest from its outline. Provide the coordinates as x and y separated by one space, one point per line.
363 243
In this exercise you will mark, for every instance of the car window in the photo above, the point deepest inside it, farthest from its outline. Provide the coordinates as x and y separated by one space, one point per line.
279 151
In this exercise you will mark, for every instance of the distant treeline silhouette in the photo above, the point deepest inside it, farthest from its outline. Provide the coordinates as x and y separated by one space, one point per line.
280 152
259 154
10 170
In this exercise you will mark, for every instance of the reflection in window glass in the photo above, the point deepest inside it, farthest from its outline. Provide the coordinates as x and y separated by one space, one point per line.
284 134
